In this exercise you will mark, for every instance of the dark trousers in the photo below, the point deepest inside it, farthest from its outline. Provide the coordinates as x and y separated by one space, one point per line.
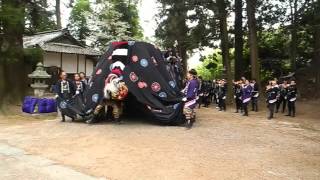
215 99
200 101
254 103
245 108
206 101
222 104
292 108
271 107
238 104
282 101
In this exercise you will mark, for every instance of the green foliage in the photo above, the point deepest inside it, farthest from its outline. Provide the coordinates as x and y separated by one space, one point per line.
38 17
103 21
106 25
33 55
78 24
211 67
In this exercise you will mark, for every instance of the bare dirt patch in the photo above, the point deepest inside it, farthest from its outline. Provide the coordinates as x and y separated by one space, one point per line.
222 145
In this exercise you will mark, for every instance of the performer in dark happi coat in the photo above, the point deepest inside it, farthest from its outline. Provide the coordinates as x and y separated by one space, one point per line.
237 96
255 95
283 88
246 96
222 95
272 93
292 97
65 90
190 92
79 85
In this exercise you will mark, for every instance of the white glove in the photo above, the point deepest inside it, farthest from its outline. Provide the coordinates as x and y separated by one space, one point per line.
184 99
77 92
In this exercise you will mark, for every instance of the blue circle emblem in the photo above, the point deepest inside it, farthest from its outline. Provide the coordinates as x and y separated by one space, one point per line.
63 105
144 62
163 95
95 98
172 84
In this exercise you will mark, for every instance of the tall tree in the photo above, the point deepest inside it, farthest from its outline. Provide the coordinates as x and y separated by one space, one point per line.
223 15
173 28
11 62
78 24
316 36
253 44
58 14
106 25
238 40
38 17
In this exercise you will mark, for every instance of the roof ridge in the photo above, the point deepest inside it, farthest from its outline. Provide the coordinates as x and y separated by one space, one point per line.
49 31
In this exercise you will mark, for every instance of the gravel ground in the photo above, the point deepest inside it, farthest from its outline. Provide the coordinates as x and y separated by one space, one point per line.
221 145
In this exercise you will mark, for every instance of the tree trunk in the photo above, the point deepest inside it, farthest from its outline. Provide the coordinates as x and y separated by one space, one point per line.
184 56
12 61
294 37
316 56
222 6
253 44
58 14
238 41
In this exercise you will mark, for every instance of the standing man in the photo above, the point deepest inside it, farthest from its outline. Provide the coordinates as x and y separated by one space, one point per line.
283 88
190 98
83 78
79 85
292 97
246 96
200 91
255 95
237 96
65 90
222 94
272 93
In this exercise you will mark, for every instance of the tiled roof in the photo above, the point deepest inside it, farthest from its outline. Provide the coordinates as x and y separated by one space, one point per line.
68 48
44 39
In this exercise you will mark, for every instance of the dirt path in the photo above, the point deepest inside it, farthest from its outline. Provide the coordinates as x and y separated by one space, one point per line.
222 145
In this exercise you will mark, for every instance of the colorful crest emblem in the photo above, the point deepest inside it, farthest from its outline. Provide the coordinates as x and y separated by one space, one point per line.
63 105
155 87
133 77
172 84
95 98
144 62
163 95
142 84
135 58
99 71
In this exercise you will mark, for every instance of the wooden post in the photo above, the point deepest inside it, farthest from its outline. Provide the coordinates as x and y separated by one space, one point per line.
85 65
61 61
77 63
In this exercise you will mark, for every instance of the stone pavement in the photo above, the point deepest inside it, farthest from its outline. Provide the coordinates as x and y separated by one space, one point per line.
17 164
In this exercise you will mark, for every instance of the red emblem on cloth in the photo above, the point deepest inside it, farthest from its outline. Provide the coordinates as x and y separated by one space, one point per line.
135 58
133 77
155 87
142 85
99 71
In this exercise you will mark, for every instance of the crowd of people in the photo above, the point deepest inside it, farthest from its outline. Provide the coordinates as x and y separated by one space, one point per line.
246 92
66 89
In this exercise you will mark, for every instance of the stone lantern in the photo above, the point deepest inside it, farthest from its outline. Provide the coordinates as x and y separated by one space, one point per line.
39 77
